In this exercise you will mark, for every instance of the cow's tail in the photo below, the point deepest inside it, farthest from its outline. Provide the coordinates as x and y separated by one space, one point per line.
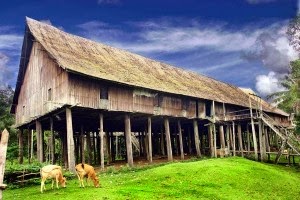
82 165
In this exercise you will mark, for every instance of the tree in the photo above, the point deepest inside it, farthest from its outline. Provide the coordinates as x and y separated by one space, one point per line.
7 120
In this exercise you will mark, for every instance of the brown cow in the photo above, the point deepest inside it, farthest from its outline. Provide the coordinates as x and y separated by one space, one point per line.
85 170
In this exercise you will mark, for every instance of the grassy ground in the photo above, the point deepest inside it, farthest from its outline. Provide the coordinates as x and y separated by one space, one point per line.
230 178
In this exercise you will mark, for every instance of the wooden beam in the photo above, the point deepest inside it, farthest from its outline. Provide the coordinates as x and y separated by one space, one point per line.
89 147
82 142
253 131
70 141
241 148
248 139
180 140
196 135
29 146
3 150
233 139
39 141
262 142
21 146
52 142
168 139
128 140
222 137
228 137
101 141
149 140
211 140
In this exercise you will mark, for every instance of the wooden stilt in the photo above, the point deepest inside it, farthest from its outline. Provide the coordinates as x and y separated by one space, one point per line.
222 137
101 141
162 142
52 142
70 141
89 147
233 139
149 140
211 140
215 140
82 144
180 140
39 141
65 150
128 140
189 141
29 146
248 140
168 139
262 143
21 146
228 137
240 140
196 135
253 131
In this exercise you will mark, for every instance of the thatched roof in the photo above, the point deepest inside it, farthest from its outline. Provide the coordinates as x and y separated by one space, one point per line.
86 57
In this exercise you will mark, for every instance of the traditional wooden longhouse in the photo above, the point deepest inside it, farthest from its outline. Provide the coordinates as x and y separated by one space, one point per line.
77 88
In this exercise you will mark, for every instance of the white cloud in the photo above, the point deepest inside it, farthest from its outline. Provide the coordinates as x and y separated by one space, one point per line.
6 73
259 1
10 41
268 84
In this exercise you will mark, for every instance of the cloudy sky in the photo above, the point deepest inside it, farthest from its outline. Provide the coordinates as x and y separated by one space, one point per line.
241 42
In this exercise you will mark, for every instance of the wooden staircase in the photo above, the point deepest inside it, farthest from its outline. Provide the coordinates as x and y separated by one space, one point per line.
286 135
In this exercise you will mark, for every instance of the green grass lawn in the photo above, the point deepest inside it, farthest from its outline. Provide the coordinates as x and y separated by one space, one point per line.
228 178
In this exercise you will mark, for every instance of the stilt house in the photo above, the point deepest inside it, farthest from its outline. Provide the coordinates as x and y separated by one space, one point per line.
85 92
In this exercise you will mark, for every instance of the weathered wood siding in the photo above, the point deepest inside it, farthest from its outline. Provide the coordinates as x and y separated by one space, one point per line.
42 75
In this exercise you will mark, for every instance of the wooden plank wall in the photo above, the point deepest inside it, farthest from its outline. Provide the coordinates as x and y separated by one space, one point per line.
41 75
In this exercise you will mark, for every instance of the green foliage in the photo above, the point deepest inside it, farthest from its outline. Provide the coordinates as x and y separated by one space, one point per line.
228 178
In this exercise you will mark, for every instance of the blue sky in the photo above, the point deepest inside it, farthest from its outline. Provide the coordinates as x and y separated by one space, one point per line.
241 42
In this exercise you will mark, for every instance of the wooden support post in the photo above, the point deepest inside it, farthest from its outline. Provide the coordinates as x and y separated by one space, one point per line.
189 141
21 146
253 131
168 139
101 141
222 137
29 146
128 140
70 141
248 140
196 136
39 141
228 137
180 140
82 142
149 140
162 142
65 150
89 147
108 144
262 142
52 142
267 140
211 140
233 138
241 148
3 150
